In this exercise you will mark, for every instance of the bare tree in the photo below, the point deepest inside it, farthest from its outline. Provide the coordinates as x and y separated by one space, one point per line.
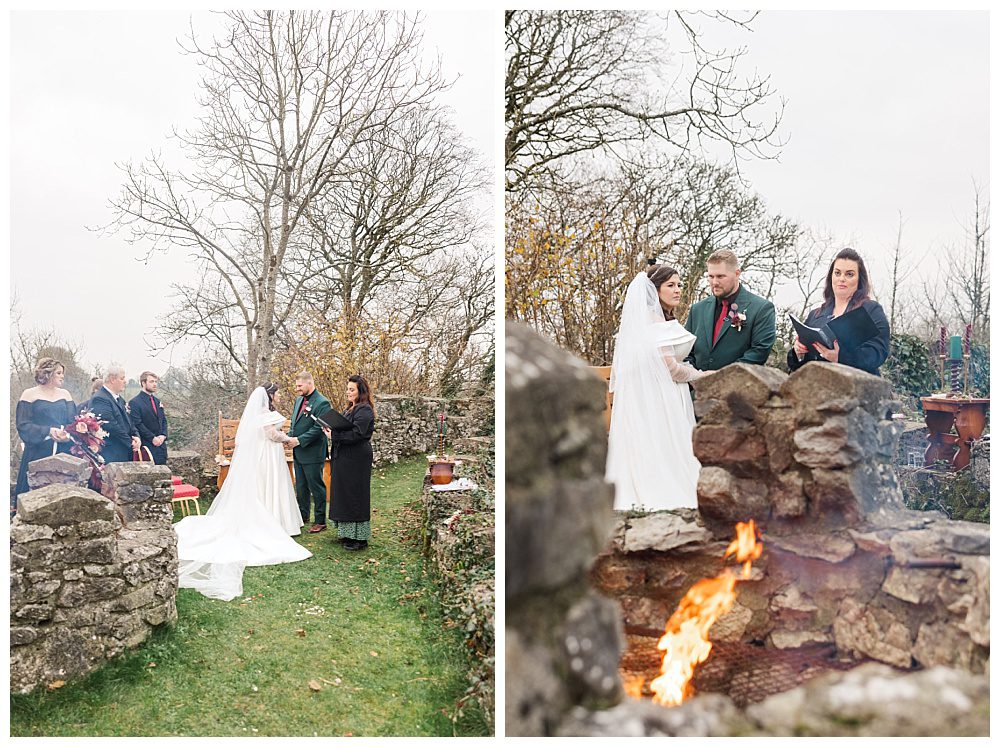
579 81
900 269
288 98
960 293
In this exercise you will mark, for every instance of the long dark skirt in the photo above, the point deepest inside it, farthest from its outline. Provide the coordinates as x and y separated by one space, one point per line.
351 476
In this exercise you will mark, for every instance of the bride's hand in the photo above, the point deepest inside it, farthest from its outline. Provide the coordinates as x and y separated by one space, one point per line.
293 441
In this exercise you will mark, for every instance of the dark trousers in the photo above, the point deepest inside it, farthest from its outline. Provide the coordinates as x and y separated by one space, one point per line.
309 479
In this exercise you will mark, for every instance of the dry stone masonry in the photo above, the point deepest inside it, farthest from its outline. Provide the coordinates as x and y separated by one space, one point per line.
845 567
91 575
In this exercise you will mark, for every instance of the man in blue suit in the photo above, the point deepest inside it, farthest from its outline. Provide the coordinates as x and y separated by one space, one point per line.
149 418
108 405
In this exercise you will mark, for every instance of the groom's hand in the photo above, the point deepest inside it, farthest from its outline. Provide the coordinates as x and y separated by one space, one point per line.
293 441
136 443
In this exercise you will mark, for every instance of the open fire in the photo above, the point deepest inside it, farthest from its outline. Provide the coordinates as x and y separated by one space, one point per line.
685 642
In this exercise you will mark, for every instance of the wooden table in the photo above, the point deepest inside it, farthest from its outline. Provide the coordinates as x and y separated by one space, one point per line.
966 416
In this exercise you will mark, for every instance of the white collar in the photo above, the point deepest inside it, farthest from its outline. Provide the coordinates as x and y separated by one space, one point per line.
115 396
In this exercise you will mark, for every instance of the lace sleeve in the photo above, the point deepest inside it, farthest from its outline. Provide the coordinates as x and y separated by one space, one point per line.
272 432
679 372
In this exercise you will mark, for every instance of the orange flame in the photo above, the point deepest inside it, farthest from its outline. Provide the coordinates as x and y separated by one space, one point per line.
685 642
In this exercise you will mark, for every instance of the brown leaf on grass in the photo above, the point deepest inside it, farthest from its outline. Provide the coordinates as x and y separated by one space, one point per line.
152 664
300 632
56 684
374 653
315 686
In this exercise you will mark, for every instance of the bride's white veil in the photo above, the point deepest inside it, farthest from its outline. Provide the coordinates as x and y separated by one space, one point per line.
650 459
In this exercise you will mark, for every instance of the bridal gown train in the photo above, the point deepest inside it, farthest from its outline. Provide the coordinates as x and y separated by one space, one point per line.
250 521
650 454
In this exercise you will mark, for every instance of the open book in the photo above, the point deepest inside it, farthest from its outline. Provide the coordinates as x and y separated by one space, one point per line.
333 420
851 330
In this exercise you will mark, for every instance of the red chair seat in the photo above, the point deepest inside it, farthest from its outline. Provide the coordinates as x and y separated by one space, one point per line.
186 491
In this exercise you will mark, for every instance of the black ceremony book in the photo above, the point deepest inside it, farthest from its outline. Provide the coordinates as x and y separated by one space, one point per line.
334 421
851 330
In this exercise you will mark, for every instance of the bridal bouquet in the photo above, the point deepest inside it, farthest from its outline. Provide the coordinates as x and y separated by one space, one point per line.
87 436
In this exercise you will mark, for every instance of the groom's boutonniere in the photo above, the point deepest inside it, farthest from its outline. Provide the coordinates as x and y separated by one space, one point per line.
737 317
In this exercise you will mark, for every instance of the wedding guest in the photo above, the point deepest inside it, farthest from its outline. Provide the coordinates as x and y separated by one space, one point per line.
148 417
351 468
41 416
847 288
96 382
108 405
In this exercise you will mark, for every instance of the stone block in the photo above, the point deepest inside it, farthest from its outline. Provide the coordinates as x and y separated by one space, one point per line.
944 644
744 387
21 533
61 469
786 497
58 505
24 636
33 612
612 573
143 596
725 499
873 632
119 474
592 644
91 590
810 387
828 546
663 531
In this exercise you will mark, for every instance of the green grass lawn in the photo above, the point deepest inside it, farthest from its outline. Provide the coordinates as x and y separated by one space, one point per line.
344 643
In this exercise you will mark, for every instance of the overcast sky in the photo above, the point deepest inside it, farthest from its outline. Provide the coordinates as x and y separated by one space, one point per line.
92 89
887 114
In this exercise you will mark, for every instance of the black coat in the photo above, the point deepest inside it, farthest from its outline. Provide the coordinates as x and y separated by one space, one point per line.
150 423
351 468
34 419
867 357
117 446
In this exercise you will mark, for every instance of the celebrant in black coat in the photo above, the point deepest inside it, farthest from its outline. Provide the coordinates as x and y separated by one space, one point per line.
148 417
42 414
847 288
351 468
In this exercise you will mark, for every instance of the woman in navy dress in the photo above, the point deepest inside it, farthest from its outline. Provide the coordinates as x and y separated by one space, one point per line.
42 414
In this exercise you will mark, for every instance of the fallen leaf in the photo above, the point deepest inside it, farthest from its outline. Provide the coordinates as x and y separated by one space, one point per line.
152 664
55 685
374 653
300 633
315 686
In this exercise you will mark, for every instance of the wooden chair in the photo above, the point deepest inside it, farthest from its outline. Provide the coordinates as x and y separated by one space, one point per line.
605 373
227 441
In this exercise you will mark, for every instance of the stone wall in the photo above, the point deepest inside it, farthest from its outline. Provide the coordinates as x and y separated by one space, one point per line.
809 457
409 425
90 577
459 530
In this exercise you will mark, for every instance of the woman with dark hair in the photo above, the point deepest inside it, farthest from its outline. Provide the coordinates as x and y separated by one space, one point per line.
650 457
42 413
251 519
351 468
847 288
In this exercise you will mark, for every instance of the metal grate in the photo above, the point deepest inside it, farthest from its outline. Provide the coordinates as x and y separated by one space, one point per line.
745 673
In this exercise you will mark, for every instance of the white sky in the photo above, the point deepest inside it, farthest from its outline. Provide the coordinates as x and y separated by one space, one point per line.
887 114
92 89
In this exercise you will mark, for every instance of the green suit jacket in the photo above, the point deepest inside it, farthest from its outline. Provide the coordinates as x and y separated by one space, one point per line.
313 447
750 344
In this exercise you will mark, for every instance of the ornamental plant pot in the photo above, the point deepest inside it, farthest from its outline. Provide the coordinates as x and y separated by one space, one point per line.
442 471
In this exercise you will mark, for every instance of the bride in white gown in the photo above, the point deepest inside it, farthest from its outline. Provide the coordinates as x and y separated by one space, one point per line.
250 520
650 456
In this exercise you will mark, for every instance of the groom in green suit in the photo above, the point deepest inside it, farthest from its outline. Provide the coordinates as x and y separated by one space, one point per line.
310 450
732 325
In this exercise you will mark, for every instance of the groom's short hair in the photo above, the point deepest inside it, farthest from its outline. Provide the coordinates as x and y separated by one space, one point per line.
724 255
303 376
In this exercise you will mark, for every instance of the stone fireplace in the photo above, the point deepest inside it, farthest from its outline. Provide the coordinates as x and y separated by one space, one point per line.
851 587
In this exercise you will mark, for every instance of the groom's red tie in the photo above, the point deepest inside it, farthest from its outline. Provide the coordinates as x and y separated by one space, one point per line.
718 322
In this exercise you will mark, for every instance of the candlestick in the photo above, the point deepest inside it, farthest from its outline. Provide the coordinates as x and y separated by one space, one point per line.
941 346
955 377
956 348
968 339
